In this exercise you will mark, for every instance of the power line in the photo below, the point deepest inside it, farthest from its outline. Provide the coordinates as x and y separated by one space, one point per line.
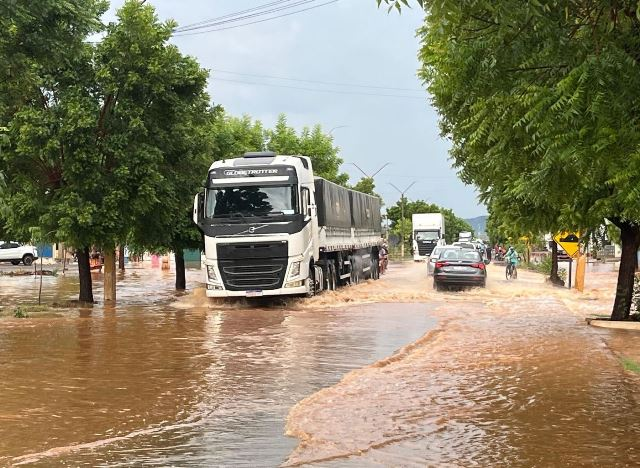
255 22
330 91
242 12
234 17
330 83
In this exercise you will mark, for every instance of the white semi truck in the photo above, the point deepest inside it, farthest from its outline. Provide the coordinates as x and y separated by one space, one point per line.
271 228
428 233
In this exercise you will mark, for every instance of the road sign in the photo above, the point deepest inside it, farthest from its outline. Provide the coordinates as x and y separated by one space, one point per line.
570 243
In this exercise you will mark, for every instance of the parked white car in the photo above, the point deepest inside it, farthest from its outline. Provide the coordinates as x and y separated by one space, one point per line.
15 253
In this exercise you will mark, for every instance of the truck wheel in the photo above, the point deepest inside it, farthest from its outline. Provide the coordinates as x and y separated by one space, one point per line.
27 259
355 277
15 262
332 278
311 282
375 269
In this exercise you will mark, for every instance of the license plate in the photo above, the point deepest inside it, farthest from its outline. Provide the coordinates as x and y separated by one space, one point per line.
460 268
256 293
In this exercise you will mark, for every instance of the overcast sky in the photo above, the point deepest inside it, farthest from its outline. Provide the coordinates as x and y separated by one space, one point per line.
346 42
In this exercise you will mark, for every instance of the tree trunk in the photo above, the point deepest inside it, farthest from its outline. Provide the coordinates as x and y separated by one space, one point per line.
109 276
554 277
630 237
121 258
181 280
84 273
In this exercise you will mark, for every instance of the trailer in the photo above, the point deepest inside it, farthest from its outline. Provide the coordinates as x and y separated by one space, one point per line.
271 228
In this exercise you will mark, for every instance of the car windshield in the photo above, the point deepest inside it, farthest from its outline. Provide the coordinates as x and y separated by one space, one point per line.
427 235
250 200
460 254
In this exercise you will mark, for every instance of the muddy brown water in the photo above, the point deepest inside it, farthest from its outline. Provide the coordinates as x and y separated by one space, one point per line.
507 376
157 381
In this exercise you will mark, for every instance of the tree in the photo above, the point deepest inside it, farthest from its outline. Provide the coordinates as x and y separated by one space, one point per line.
311 142
546 93
366 185
44 57
99 134
453 224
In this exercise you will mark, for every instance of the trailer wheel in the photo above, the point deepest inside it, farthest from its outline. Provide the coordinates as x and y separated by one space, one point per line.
355 273
331 276
375 268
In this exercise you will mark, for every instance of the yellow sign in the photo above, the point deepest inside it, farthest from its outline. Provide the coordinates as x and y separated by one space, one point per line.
570 243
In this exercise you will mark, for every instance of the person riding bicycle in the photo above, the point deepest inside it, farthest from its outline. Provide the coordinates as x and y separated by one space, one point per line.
511 257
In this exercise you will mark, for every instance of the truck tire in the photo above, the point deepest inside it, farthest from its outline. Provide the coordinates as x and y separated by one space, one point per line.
355 272
27 259
332 279
375 268
15 262
311 281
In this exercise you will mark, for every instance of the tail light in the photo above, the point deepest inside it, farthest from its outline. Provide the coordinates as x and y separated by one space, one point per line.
478 265
441 264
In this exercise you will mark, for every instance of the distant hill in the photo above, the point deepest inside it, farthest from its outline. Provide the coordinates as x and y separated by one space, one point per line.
479 225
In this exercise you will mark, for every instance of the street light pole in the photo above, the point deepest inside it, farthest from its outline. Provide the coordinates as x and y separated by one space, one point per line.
374 174
336 128
402 198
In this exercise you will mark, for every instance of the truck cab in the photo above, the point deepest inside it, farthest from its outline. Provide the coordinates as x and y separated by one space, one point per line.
428 233
257 214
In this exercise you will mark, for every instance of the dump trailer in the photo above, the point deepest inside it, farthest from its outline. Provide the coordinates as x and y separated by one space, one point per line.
271 228
428 232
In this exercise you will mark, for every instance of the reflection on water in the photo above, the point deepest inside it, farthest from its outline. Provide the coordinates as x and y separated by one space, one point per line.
148 383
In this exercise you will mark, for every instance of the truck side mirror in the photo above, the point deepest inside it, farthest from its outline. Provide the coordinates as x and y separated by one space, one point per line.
198 208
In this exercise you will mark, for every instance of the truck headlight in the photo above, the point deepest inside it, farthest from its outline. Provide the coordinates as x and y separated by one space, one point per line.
211 273
295 269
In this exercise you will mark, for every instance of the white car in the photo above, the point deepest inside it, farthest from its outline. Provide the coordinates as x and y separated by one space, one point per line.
16 253
431 263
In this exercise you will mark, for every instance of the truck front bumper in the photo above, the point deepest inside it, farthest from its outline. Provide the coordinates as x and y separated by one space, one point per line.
211 292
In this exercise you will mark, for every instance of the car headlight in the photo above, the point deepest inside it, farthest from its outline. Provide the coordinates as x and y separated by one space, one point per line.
295 269
211 273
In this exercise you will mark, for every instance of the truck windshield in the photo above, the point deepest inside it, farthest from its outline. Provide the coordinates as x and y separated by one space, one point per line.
427 235
250 200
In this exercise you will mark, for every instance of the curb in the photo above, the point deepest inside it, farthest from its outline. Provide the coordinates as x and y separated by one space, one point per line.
614 325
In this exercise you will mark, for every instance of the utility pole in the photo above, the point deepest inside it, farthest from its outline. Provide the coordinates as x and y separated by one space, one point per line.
402 199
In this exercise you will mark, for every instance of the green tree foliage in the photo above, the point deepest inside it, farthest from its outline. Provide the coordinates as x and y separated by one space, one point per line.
102 136
366 185
312 142
540 102
453 224
234 136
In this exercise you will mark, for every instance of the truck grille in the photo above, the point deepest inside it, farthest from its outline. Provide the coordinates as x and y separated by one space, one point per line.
425 249
247 266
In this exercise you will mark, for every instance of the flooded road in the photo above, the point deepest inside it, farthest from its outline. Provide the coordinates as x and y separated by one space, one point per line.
163 380
387 373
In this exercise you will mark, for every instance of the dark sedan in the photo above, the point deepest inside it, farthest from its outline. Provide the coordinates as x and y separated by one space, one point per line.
459 267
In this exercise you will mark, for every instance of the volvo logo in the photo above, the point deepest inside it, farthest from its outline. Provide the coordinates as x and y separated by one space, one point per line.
251 230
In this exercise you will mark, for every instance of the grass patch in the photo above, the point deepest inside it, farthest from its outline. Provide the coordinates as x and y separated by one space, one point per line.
630 365
27 311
